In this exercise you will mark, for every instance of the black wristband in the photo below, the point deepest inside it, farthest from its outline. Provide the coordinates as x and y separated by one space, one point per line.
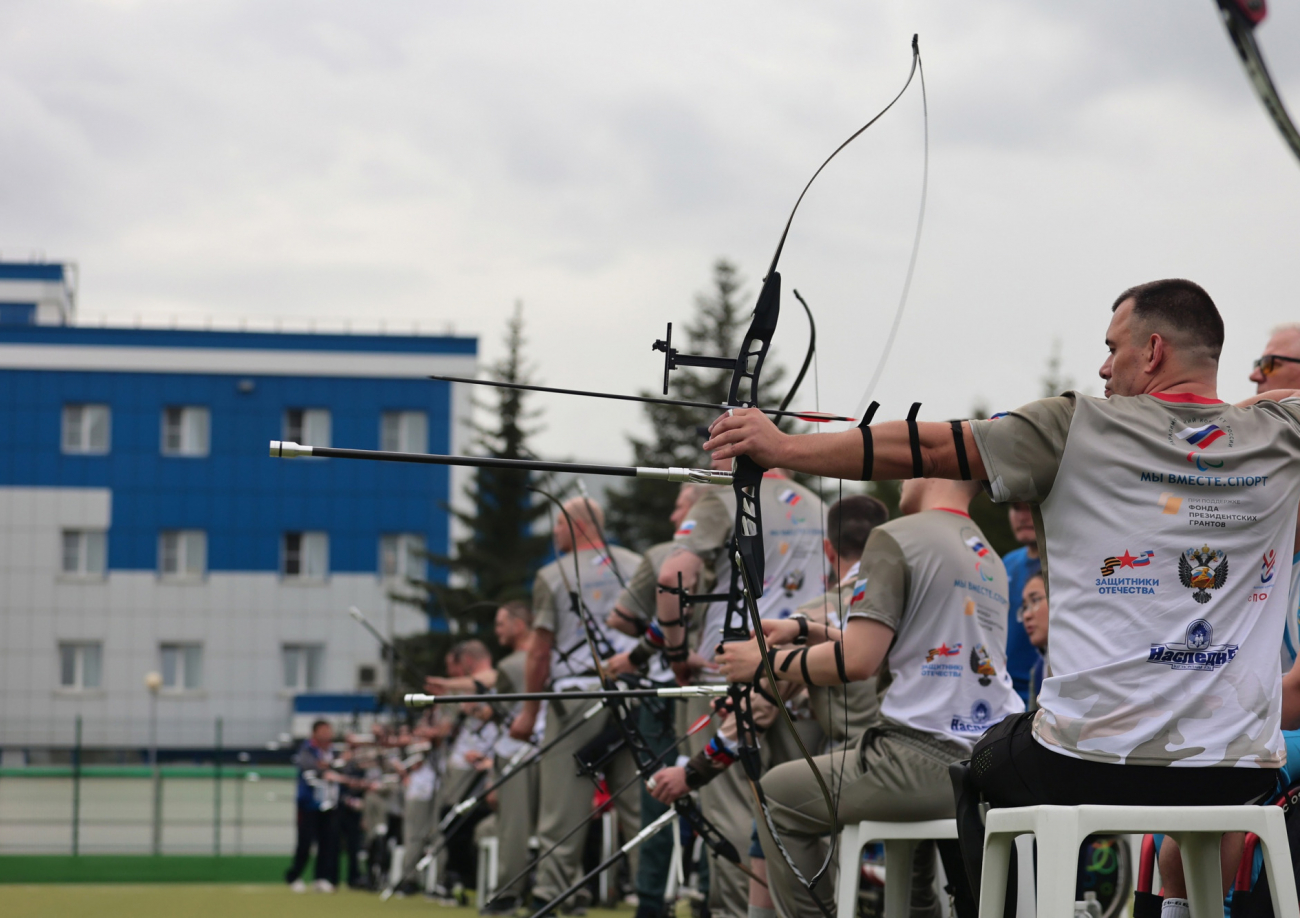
640 654
839 663
959 444
802 639
785 664
678 654
694 778
868 451
803 666
914 438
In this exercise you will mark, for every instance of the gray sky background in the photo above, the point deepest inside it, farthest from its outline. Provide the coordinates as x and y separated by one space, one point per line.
431 163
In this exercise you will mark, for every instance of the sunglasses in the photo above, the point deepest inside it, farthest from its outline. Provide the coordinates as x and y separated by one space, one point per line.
1268 363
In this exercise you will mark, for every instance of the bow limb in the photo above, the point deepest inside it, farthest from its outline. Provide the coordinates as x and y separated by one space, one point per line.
1241 29
808 356
865 401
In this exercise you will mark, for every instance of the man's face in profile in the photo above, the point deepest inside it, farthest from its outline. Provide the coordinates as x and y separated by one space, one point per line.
1278 374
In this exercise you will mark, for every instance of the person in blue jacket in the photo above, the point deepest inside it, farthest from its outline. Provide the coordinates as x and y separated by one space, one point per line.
318 795
1021 564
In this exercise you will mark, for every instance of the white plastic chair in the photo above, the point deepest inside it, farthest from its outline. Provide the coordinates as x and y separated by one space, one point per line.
489 848
901 839
1060 830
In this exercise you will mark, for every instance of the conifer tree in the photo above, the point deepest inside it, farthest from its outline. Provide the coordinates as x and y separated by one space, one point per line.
638 512
498 558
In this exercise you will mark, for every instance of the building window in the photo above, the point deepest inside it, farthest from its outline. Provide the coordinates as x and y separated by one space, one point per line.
183 553
85 429
185 431
305 555
310 426
84 552
404 431
302 664
79 666
182 667
401 555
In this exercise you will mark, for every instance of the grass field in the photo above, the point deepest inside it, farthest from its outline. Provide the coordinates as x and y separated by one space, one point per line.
217 901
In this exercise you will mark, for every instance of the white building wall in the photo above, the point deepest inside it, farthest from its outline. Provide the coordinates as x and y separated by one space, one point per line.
241 619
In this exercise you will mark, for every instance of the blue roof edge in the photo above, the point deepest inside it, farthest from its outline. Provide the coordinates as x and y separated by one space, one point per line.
237 340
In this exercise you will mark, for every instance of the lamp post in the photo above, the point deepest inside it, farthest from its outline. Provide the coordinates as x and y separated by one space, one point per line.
153 682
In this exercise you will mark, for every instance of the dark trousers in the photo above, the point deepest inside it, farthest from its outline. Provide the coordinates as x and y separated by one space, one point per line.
1008 767
350 836
656 722
322 830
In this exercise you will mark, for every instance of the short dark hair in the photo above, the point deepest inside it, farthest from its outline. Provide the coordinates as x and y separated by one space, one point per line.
519 610
1180 310
850 520
318 723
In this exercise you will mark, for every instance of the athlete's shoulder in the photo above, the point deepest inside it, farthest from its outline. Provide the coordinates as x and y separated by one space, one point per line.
658 553
626 556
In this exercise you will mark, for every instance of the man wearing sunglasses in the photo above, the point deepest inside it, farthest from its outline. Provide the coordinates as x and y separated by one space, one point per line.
1279 368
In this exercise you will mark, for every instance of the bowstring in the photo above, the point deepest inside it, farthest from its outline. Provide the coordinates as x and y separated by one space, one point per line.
916 245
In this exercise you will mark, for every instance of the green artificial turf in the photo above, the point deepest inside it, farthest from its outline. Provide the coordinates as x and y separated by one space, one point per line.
166 900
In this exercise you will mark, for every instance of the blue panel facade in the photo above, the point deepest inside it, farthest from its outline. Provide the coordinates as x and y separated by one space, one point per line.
243 499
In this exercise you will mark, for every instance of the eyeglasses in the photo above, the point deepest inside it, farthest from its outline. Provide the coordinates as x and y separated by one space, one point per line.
1268 363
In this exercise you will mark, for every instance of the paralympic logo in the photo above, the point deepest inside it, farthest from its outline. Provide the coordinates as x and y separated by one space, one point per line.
1201 438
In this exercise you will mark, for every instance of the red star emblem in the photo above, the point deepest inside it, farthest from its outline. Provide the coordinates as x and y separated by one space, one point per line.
1126 560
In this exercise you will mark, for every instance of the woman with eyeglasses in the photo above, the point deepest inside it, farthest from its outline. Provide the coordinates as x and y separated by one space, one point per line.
1033 615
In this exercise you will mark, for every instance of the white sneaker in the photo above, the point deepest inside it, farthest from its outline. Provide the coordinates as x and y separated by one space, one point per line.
324 886
298 886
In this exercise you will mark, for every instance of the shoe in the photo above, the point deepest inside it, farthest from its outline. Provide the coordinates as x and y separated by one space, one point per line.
324 886
506 905
298 886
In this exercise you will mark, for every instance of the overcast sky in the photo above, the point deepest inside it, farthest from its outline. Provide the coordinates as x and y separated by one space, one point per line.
432 163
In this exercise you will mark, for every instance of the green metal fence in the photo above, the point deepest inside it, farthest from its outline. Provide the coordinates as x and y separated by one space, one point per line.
215 810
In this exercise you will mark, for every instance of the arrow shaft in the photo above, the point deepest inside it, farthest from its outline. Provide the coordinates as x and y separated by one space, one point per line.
649 400
288 450
680 691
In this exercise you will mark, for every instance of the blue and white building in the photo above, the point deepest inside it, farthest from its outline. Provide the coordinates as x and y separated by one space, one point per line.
143 527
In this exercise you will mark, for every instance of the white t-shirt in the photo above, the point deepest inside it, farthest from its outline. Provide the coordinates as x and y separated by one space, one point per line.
1158 518
571 663
794 568
932 578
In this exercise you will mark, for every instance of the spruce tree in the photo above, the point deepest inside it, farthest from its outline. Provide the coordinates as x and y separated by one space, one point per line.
498 558
638 512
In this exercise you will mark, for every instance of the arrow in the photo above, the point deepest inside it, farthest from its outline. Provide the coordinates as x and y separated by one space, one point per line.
815 417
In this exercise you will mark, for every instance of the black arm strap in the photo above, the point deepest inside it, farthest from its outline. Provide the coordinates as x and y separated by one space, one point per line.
914 438
868 452
959 443
803 666
839 662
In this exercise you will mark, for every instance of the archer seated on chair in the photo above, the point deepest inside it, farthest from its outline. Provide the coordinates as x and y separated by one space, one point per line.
1164 686
924 579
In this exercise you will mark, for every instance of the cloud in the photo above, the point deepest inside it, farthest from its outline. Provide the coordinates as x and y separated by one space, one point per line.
430 164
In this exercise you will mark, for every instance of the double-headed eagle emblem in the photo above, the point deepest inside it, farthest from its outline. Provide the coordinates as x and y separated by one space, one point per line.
1202 569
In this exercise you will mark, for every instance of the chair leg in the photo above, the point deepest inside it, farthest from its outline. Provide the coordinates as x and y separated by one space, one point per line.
993 878
898 876
1281 877
1026 898
1058 838
1202 872
846 886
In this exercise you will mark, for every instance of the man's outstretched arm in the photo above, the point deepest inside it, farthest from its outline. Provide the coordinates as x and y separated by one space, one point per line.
747 431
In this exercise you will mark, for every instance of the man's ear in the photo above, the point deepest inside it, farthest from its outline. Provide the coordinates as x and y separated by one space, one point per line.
1154 354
